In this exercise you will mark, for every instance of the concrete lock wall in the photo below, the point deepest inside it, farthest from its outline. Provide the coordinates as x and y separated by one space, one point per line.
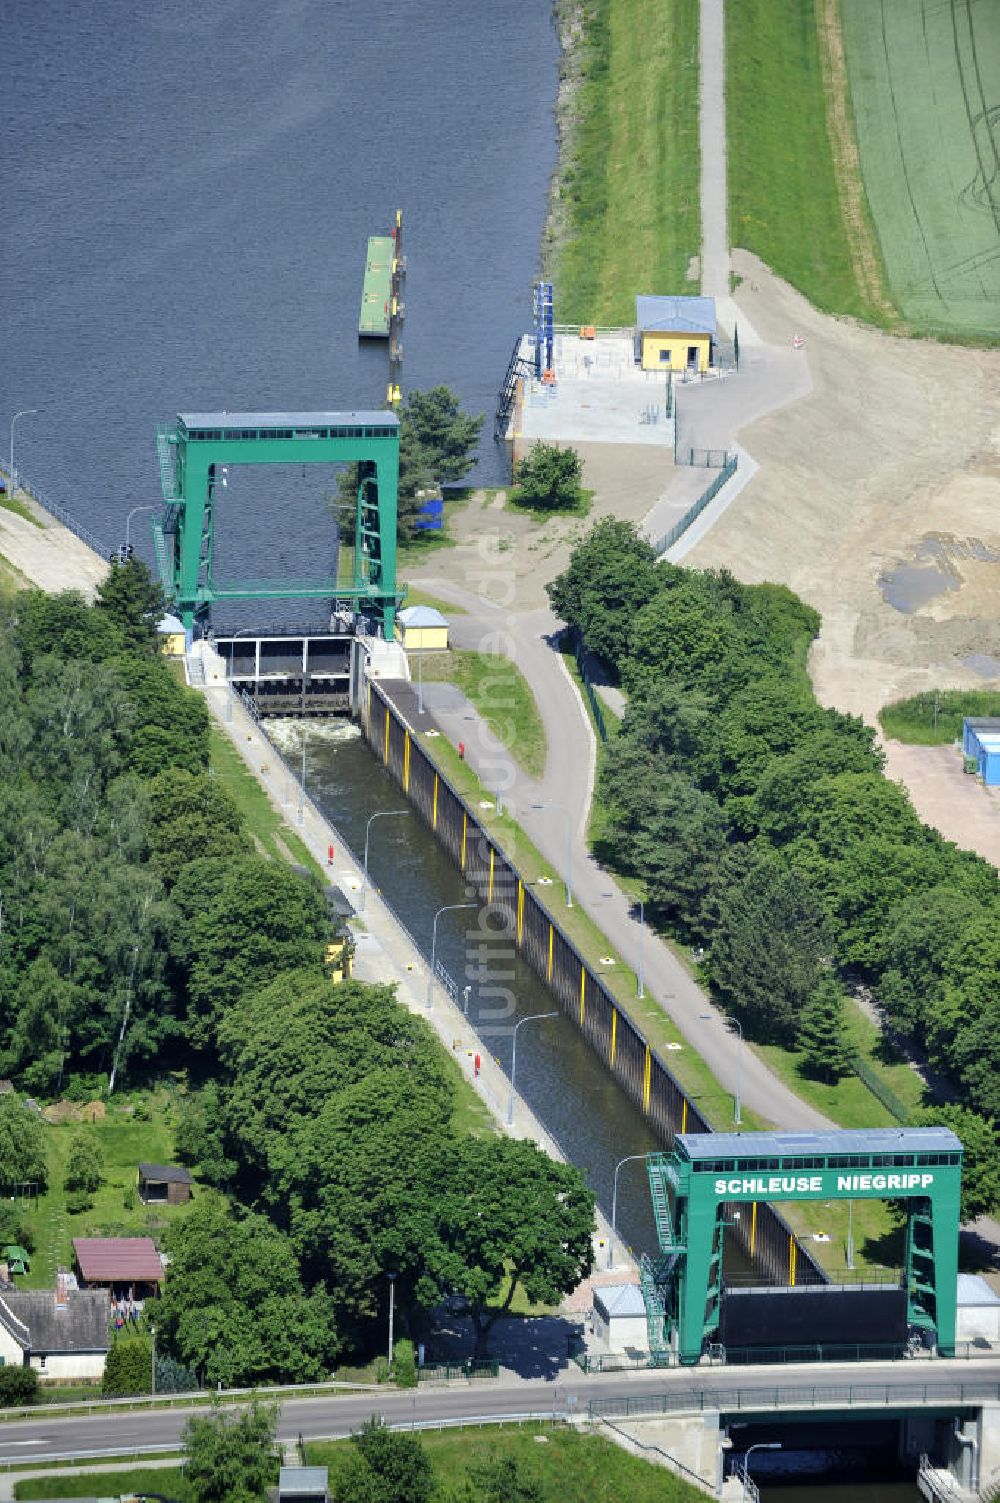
581 994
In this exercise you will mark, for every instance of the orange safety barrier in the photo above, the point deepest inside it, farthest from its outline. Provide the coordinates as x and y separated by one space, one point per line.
587 331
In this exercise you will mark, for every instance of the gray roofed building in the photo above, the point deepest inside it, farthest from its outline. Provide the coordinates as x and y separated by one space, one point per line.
683 315
42 1325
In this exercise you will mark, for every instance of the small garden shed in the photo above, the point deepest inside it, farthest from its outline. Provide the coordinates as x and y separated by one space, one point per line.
167 1183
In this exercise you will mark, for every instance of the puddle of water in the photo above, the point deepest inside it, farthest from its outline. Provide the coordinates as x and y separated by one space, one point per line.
910 586
982 663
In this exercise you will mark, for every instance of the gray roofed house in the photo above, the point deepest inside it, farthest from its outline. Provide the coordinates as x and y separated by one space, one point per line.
63 1333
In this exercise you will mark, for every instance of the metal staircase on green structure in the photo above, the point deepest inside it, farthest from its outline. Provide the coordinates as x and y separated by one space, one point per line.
657 1274
165 453
162 563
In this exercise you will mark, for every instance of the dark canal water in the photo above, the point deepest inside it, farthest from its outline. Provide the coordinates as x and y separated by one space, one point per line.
186 193
557 1073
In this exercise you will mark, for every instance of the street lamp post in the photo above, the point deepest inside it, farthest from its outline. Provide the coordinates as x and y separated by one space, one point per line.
229 681
642 946
706 1017
448 908
535 1017
628 1159
24 412
379 814
392 1309
569 847
128 522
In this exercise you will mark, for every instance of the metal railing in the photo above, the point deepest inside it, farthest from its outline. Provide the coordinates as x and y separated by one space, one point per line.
60 513
449 1372
665 1459
596 708
800 1396
703 459
694 511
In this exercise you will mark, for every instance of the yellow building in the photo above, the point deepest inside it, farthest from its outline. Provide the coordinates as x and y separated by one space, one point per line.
171 631
675 333
423 629
338 960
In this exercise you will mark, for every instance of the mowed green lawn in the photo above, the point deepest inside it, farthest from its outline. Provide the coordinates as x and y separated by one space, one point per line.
565 1465
500 693
925 86
783 198
632 185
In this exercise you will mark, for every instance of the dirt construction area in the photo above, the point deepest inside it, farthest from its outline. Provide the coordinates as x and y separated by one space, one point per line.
883 481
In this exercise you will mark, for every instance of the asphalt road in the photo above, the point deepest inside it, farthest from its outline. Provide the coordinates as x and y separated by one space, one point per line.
29 1441
529 638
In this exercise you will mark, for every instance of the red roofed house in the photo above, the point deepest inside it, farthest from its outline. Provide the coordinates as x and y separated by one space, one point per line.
128 1267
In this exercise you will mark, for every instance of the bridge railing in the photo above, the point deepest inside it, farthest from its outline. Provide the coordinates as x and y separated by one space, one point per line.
800 1396
55 510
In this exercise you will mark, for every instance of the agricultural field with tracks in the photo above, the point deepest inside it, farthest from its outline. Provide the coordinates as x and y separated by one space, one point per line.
925 89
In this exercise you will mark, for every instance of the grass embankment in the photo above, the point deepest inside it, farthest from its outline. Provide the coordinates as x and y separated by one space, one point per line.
11 503
567 1466
935 718
785 201
139 1127
626 214
267 829
11 580
500 693
421 597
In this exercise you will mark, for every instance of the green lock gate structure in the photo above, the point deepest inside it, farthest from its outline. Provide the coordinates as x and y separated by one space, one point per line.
194 451
707 1173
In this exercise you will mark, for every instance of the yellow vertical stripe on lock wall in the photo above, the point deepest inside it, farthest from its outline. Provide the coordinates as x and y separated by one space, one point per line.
614 1036
520 910
551 938
489 896
434 817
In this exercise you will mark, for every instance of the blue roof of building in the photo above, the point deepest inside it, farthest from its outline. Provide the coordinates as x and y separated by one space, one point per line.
680 315
382 418
731 1145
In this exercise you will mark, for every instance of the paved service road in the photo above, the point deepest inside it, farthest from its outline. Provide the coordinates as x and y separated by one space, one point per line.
528 638
27 1442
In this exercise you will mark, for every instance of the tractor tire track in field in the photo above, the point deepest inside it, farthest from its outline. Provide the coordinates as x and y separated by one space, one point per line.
988 179
902 154
865 257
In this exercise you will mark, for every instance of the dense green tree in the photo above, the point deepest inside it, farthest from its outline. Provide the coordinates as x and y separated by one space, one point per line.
234 1308
134 603
610 576
980 1156
22 1145
510 1216
822 1032
191 816
169 721
265 920
361 1176
231 1457
295 1044
200 1138
64 625
766 950
662 829
37 1043
129 1366
548 478
84 1164
389 1466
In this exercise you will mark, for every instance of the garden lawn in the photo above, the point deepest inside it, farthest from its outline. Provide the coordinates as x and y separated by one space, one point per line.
501 694
116 1211
783 197
630 187
569 1467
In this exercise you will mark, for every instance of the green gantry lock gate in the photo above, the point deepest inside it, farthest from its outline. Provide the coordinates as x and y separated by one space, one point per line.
192 454
706 1172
